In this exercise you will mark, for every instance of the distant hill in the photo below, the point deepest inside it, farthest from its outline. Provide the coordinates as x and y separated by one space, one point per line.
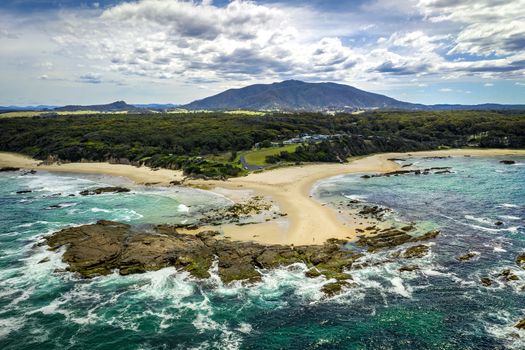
157 106
481 107
294 95
117 106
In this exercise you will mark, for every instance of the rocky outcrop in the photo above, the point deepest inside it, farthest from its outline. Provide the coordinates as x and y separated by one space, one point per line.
520 324
101 190
507 162
100 248
427 171
237 212
417 251
331 289
392 237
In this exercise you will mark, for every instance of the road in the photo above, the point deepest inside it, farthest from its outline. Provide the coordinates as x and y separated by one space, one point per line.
248 166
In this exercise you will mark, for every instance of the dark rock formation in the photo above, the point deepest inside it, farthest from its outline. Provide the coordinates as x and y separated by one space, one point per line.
507 275
487 282
508 162
101 190
23 191
408 268
8 168
99 248
427 171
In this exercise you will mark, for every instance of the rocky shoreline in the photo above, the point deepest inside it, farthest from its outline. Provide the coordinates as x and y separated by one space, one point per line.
101 248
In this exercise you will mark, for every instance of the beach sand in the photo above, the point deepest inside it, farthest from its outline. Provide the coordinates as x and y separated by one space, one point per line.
308 221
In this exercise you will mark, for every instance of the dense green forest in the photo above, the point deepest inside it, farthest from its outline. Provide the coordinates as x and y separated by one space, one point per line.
189 141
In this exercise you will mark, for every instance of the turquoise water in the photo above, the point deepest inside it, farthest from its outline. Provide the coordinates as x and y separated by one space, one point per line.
441 306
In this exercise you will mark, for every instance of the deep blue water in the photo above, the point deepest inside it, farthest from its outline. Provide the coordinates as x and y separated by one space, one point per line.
440 306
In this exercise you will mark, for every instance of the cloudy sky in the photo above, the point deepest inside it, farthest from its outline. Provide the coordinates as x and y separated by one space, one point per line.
173 51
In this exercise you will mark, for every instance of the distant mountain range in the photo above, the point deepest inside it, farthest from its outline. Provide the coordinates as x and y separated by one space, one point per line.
26 108
118 106
289 95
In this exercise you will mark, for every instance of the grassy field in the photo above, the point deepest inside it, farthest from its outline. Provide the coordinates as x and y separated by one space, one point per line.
258 157
23 114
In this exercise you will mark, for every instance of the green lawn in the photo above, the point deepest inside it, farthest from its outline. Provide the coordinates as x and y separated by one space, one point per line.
258 157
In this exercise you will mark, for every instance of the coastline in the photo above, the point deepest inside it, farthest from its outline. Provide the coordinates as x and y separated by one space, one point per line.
309 221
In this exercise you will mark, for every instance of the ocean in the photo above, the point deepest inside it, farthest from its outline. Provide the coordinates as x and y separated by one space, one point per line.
441 305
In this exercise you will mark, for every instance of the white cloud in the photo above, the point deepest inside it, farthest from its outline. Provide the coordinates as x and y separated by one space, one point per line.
196 43
91 78
487 26
446 90
488 84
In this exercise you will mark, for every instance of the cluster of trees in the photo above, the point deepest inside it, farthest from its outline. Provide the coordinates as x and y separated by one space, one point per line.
184 141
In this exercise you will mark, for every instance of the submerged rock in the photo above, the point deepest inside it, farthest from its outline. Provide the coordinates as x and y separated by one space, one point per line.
116 189
100 248
487 282
520 260
408 268
44 260
507 162
467 256
520 324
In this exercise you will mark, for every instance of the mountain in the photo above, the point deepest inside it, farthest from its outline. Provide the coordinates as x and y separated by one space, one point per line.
294 95
117 106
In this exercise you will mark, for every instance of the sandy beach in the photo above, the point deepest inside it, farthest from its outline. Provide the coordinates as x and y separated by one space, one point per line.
308 221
